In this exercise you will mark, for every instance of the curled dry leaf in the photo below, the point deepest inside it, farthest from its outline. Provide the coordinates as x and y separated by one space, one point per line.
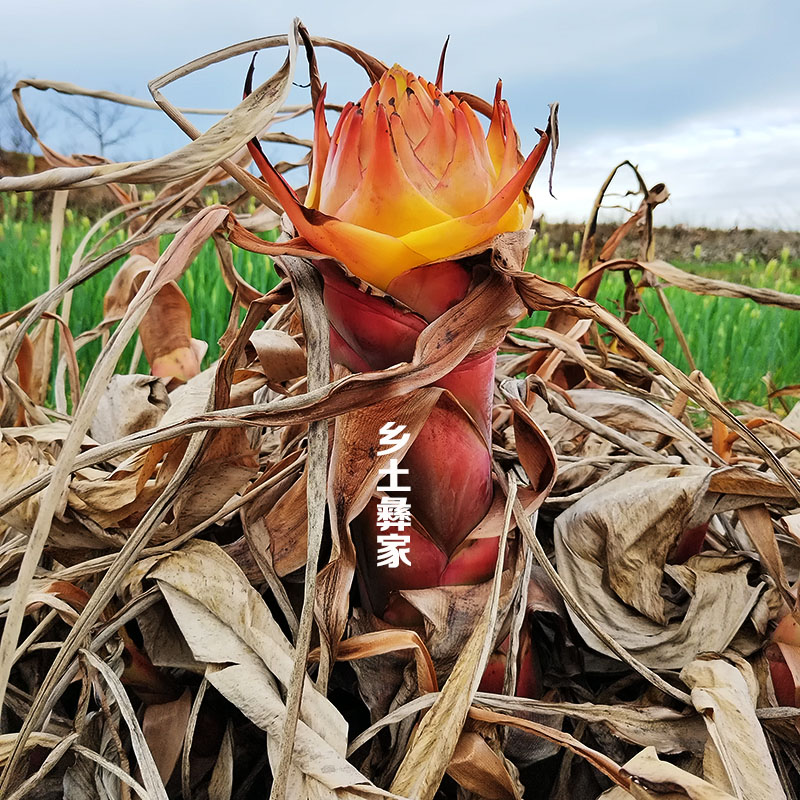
280 355
479 769
667 730
164 728
20 461
216 588
20 371
612 548
737 757
131 403
229 627
653 779
165 330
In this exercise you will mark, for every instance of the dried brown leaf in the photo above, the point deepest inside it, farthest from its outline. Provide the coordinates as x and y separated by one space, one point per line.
653 779
131 403
164 729
737 758
612 548
479 769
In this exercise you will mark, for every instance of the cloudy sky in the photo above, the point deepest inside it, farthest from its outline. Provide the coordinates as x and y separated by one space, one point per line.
702 95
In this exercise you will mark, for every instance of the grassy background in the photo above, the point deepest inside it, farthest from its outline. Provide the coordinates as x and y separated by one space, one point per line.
735 342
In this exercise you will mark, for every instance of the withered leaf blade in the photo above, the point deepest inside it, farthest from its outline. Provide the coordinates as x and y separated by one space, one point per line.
612 548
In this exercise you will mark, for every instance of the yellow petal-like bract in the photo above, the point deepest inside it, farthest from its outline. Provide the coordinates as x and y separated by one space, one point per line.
409 177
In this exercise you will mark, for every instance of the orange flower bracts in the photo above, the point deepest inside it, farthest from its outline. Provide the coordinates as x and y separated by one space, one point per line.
408 177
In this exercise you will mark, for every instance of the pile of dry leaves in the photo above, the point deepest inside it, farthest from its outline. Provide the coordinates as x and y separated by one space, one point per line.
176 563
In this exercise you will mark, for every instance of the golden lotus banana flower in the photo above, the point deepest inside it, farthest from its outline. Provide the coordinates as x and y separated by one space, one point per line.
408 182
407 178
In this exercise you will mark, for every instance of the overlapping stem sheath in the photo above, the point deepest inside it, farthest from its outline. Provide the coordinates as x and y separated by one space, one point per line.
449 462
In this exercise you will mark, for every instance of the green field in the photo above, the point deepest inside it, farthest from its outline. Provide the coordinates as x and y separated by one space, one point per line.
735 342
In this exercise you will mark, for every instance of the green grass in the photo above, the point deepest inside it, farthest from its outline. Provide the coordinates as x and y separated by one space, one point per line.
734 342
24 274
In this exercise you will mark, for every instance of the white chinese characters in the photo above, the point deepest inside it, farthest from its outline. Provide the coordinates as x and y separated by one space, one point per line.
391 438
394 513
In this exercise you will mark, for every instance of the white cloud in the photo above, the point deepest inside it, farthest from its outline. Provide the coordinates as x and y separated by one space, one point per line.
732 169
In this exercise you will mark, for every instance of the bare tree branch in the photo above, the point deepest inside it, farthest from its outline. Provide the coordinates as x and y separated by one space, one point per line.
108 123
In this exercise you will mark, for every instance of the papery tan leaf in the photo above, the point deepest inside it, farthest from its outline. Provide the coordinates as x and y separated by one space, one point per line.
287 527
42 352
667 730
244 292
653 779
131 403
209 589
166 334
150 775
100 776
450 612
227 464
211 485
107 499
46 435
251 689
64 597
41 339
634 414
20 461
221 783
165 330
792 420
477 768
21 372
378 643
536 454
228 626
758 524
596 759
120 290
37 739
189 399
162 638
747 483
702 285
280 356
611 550
566 347
737 757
